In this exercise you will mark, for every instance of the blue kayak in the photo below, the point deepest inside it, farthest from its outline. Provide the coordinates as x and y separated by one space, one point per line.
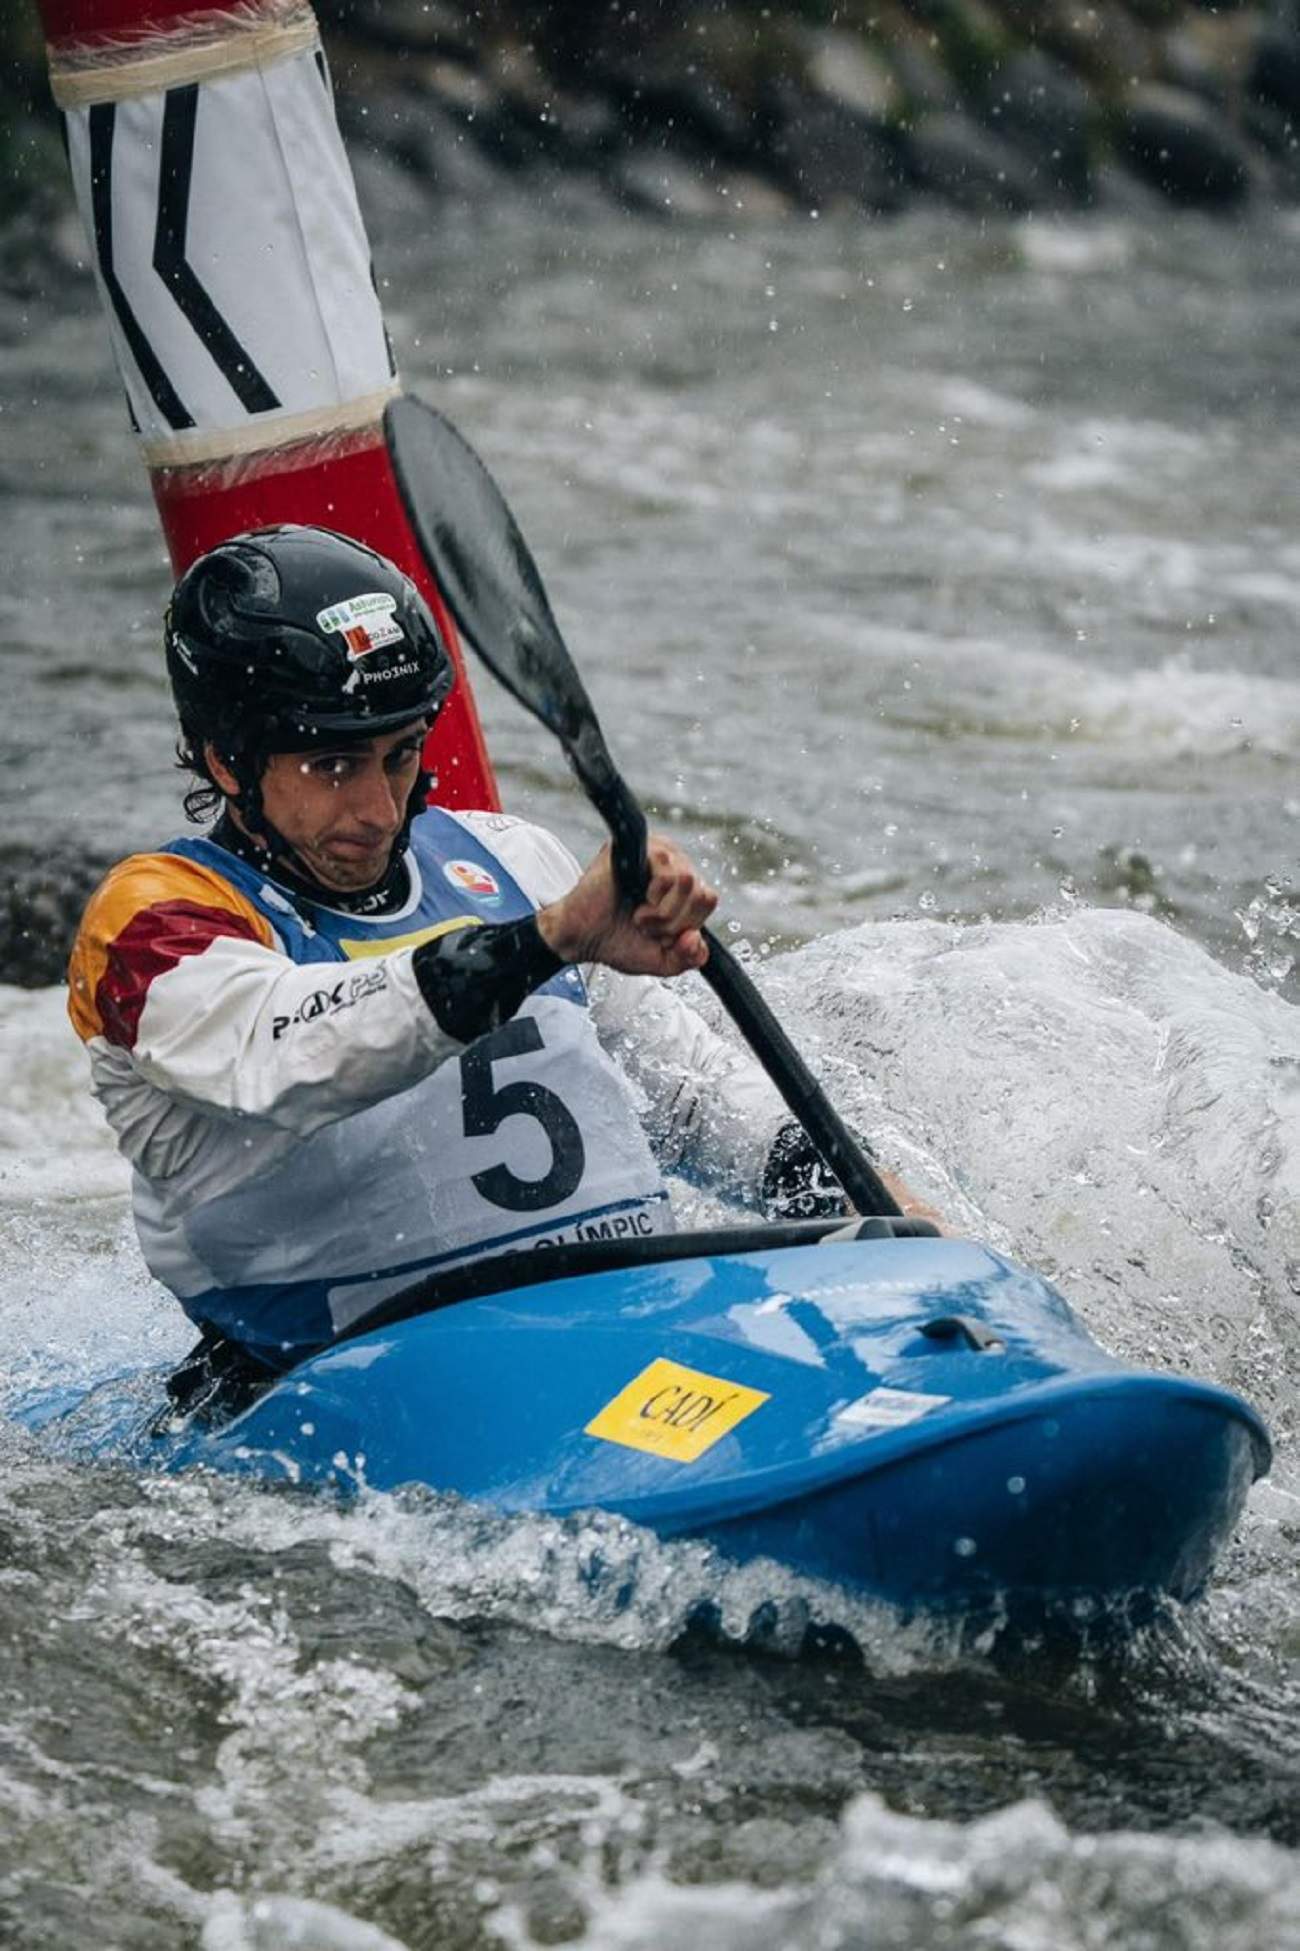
915 1418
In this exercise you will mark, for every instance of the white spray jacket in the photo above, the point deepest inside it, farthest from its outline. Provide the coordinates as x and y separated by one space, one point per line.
306 1139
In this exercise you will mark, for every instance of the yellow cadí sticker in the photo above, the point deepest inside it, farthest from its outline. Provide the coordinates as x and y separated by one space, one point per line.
674 1411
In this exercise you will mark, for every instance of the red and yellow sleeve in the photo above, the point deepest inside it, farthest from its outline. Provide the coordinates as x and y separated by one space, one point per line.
146 916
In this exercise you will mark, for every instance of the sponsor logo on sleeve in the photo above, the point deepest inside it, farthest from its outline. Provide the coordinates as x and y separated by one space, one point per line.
365 623
344 994
674 1412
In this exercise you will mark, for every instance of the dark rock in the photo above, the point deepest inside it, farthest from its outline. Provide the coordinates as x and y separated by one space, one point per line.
664 184
40 905
1102 43
972 40
1184 147
1274 76
694 111
404 26
927 86
844 69
1271 129
753 199
442 148
964 164
1185 64
43 255
587 125
461 85
1154 13
582 40
1045 113
826 153
31 157
1121 193
395 203
1278 137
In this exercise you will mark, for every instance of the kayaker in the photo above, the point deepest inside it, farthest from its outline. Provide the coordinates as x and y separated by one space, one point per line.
346 1038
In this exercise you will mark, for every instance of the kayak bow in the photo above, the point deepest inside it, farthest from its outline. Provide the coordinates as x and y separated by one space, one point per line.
916 1418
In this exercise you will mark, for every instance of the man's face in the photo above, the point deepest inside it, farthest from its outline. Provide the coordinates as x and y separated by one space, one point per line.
342 806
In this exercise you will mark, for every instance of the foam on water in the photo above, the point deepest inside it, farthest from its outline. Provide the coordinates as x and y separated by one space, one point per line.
958 683
1093 1090
1016 1880
76 1301
1098 1094
1075 249
287 1924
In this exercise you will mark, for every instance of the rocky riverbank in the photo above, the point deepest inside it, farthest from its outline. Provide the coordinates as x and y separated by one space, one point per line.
699 111
743 110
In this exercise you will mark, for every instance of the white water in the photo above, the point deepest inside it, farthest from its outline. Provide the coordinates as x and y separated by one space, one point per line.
1091 1091
956 592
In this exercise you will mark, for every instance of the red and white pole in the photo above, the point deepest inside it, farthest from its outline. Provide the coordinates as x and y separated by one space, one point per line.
235 273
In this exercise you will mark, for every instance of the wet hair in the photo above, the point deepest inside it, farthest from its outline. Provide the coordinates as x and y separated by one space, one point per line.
204 799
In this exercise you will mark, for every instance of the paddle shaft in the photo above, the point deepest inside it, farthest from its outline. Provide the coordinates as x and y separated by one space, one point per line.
488 576
804 1097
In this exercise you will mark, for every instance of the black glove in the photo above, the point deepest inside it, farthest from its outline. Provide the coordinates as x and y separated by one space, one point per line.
796 1183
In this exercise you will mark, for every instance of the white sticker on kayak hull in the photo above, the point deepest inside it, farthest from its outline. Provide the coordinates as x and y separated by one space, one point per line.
887 1409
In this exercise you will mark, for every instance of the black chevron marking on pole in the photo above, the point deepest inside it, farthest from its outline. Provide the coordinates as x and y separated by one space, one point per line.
174 180
103 121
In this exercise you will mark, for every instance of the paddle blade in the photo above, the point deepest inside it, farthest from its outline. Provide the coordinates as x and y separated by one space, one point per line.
483 566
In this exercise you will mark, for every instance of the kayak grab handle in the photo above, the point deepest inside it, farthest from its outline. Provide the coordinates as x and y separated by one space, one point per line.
965 1327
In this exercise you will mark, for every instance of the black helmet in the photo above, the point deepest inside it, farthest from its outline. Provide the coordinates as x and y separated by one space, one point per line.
284 636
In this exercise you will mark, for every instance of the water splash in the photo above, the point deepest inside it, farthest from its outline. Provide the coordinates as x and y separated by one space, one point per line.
1017 1878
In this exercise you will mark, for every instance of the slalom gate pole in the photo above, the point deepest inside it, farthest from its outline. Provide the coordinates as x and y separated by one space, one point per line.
235 274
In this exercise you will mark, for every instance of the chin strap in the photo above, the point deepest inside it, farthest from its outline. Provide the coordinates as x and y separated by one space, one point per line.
265 838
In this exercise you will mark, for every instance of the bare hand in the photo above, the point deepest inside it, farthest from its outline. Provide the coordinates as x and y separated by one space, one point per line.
661 937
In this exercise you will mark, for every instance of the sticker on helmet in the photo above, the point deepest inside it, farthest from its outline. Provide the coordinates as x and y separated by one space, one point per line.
470 878
365 623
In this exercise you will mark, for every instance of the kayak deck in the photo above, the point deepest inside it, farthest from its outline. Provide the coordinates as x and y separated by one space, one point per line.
917 1418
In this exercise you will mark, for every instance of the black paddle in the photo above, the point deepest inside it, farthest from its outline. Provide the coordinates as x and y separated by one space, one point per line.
492 585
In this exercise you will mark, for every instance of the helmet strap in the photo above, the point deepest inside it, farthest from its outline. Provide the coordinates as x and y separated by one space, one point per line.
247 768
